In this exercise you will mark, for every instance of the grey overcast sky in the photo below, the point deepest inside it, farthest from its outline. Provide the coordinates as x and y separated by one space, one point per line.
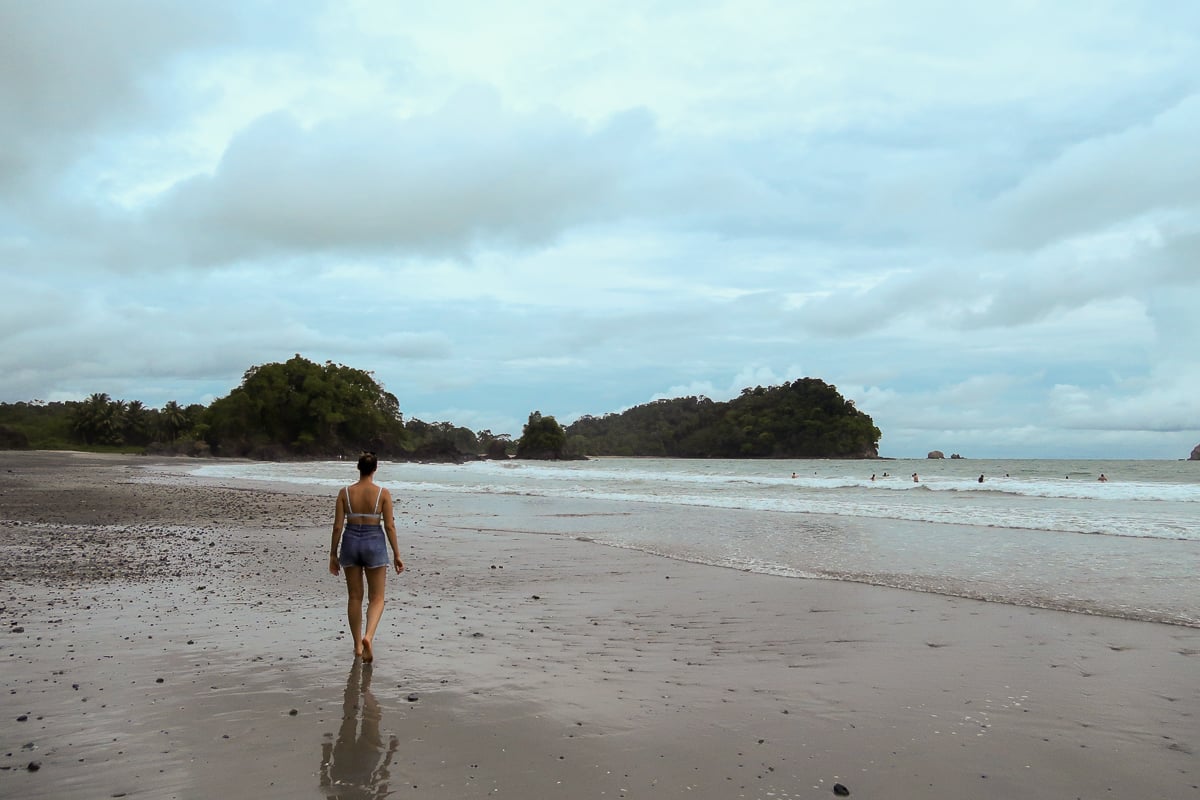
980 221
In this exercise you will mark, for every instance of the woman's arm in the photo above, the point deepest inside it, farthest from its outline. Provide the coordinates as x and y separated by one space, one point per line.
339 520
389 525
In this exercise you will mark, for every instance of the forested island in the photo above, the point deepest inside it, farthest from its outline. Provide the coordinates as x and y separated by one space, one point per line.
301 409
806 418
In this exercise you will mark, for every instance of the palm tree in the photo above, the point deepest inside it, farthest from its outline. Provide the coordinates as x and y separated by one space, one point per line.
99 420
137 423
174 418
85 417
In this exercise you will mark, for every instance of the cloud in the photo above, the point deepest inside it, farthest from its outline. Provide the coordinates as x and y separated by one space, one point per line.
468 175
1110 180
747 377
72 70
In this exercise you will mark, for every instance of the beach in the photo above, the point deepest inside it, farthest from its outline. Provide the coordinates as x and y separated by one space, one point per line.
172 636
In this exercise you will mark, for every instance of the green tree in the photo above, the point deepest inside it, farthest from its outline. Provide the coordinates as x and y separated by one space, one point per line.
136 423
173 419
806 418
542 437
303 408
44 426
494 446
99 420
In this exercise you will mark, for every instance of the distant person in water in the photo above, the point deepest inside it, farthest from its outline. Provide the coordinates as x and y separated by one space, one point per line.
1102 478
363 527
872 476
915 478
793 474
981 479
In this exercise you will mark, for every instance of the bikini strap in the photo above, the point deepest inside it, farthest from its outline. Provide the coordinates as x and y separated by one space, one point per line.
349 508
378 500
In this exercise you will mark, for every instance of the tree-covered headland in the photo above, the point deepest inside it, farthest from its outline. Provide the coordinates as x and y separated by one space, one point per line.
806 418
294 409
301 409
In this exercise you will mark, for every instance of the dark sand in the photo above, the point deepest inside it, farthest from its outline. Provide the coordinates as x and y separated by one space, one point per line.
183 639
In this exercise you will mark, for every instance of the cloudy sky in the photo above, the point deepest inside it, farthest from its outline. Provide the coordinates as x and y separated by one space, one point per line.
981 222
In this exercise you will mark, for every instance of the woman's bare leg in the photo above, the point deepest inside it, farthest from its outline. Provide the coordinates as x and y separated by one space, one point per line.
354 601
376 581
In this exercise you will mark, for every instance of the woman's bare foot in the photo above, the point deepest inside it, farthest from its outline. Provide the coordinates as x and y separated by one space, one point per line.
358 651
367 655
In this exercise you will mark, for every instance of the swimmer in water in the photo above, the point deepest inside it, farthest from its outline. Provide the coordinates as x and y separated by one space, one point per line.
1102 478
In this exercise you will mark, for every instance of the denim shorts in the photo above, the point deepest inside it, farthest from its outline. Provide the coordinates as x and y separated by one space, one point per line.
363 546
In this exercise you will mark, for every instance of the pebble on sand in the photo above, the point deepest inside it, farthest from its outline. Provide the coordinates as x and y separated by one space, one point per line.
840 791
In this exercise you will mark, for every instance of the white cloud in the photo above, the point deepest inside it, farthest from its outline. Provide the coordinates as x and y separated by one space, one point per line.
470 175
1110 180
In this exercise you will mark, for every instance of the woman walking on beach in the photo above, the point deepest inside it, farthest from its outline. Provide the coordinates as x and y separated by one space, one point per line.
364 550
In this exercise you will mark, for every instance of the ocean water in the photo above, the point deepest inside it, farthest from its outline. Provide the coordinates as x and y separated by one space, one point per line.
1041 533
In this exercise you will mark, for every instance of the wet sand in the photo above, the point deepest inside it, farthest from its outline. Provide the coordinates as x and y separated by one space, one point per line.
169 637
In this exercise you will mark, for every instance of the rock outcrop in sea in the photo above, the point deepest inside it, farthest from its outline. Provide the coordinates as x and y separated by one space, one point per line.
1195 456
936 454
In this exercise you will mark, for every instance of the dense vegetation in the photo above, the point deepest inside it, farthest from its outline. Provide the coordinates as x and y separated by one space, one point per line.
300 409
806 418
297 409
97 423
305 409
542 437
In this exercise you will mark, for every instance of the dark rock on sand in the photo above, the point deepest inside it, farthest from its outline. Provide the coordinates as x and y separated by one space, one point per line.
412 698
840 791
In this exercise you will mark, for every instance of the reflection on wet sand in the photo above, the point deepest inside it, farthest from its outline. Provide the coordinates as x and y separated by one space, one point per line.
357 765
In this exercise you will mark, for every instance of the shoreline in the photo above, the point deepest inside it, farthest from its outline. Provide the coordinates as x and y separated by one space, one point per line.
1028 564
542 664
194 459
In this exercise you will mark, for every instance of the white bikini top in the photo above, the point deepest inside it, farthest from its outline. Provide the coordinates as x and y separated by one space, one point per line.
350 512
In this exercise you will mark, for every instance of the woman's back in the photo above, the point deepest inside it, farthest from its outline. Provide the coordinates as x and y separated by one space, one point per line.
364 503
